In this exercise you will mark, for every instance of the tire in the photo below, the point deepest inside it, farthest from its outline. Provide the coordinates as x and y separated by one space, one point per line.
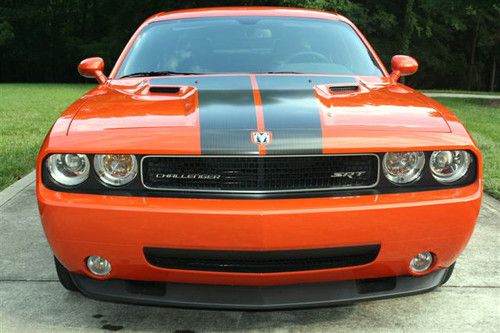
64 277
448 274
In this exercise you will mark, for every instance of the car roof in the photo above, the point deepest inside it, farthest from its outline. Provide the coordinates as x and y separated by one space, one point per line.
244 11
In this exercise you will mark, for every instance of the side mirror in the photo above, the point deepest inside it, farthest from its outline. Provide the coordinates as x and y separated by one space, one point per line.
93 67
402 65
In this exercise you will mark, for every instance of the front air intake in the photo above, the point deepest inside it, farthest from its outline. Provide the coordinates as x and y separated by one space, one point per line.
261 261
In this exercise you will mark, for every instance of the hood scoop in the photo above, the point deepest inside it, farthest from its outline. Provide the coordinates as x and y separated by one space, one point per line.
179 99
167 89
344 88
326 93
167 92
164 90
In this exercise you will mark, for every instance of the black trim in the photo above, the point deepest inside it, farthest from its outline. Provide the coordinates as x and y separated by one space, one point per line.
261 261
94 186
237 297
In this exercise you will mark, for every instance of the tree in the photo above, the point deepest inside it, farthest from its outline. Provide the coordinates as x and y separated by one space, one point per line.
456 42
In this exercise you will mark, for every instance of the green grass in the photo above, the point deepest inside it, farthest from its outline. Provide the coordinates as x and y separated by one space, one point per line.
482 119
494 93
28 110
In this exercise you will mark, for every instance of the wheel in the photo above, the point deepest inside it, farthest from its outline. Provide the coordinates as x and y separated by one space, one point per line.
64 276
448 274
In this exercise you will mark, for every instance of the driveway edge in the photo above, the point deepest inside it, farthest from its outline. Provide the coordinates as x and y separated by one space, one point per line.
14 189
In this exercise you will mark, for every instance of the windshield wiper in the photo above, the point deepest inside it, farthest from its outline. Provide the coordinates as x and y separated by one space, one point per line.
284 72
159 73
168 73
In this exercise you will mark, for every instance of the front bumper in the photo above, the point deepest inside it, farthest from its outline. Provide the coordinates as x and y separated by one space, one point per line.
257 297
119 228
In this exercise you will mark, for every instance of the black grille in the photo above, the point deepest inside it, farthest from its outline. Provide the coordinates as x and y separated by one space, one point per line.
261 261
264 174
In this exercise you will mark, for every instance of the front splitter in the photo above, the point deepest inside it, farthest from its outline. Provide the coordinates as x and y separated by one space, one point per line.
256 297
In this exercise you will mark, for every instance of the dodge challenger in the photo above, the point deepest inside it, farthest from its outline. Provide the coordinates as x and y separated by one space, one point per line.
255 158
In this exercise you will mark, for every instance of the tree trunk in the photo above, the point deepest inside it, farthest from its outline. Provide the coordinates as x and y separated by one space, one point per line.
407 30
493 72
408 27
472 63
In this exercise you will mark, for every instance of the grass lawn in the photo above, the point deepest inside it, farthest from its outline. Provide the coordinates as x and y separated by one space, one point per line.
482 119
28 110
494 93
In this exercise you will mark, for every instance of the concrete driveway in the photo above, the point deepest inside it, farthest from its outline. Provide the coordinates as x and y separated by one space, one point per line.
31 299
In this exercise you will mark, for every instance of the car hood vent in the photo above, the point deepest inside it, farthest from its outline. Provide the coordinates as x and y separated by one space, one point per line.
344 88
164 90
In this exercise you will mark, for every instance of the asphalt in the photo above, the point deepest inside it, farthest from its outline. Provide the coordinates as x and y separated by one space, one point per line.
31 299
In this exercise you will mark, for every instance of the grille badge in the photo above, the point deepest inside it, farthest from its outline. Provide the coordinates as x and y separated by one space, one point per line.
261 138
348 174
185 176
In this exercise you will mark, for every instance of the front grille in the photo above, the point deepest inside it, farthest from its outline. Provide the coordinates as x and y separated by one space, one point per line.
260 174
261 261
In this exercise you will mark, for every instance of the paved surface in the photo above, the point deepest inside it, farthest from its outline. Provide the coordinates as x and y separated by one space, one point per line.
454 95
31 299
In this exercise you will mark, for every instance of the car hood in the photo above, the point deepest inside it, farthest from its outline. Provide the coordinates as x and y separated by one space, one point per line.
217 114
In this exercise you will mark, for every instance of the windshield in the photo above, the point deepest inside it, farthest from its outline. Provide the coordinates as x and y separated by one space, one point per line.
249 45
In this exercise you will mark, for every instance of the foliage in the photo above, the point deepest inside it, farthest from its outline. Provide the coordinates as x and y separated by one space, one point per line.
456 42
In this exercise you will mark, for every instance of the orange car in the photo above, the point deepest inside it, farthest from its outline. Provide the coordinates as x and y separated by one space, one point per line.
255 158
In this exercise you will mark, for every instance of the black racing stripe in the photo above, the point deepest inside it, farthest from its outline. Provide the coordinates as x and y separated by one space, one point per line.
227 112
291 112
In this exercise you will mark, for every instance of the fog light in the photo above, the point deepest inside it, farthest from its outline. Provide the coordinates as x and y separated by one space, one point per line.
98 265
421 262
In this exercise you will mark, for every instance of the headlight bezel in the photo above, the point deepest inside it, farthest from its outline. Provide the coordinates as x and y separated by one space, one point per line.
93 184
427 181
56 162
398 180
459 174
109 180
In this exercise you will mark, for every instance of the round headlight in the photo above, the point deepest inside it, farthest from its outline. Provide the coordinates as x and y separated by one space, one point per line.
68 169
403 167
116 170
448 166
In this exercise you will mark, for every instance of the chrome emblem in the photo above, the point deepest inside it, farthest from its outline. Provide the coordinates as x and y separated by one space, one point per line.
348 174
261 138
186 176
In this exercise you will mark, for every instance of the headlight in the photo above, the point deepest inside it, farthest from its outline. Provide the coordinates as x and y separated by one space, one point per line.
116 170
68 169
403 167
448 166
